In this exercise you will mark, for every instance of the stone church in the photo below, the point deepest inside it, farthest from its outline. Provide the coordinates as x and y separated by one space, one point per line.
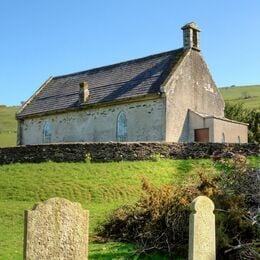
168 97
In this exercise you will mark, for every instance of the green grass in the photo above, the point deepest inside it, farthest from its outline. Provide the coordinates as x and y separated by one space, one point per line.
8 126
239 94
99 187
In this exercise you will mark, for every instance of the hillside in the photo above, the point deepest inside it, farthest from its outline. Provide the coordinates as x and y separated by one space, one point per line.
249 95
99 187
8 126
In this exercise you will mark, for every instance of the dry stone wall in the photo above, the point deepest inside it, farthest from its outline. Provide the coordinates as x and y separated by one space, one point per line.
112 151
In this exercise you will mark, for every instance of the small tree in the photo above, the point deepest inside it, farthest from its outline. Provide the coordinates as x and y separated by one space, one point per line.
237 111
246 95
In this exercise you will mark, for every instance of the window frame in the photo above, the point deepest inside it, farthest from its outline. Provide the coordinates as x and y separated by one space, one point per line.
121 127
47 132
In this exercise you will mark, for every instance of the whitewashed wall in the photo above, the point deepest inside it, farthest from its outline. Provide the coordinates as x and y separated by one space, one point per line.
145 121
190 87
232 131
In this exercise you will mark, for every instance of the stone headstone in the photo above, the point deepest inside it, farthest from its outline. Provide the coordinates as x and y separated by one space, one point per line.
202 245
56 229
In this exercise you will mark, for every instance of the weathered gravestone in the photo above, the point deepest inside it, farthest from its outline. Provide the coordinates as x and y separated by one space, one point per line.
202 245
56 229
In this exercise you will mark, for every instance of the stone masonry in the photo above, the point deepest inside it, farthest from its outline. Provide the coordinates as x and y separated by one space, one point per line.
106 152
56 229
202 241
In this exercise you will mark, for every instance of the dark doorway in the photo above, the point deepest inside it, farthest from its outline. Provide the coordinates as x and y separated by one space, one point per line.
201 135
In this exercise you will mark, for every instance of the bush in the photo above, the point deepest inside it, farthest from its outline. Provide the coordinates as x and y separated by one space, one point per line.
251 116
159 220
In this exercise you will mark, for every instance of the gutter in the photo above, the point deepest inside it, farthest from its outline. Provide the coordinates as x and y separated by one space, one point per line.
91 106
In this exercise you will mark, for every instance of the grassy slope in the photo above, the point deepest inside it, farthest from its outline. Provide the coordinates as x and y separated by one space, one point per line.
99 187
8 126
237 94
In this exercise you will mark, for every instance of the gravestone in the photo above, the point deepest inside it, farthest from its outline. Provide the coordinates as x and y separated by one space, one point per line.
202 245
56 229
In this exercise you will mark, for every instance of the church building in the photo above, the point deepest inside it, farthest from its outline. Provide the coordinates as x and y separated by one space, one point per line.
167 97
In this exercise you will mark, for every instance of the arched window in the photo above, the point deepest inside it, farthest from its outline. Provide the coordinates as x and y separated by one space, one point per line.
121 131
223 138
238 140
47 132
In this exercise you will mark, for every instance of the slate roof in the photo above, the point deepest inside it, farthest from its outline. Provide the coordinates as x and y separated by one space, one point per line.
139 77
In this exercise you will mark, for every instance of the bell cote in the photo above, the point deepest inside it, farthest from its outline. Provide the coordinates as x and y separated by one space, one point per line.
191 36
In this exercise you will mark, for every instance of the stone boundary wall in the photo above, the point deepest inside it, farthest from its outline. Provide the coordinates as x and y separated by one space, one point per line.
112 151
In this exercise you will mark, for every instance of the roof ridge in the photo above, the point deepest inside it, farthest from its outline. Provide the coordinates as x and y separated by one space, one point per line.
94 70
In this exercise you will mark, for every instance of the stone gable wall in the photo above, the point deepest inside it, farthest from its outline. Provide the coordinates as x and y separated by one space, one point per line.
112 151
190 87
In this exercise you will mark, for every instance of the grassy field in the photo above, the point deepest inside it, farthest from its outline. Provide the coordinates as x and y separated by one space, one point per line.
8 126
249 95
99 187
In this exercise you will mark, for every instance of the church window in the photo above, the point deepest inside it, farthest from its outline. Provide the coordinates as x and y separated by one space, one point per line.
121 127
47 132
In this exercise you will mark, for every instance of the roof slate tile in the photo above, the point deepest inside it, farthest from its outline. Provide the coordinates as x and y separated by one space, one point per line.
133 78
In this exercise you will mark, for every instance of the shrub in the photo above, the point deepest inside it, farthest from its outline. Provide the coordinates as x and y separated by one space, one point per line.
159 220
251 116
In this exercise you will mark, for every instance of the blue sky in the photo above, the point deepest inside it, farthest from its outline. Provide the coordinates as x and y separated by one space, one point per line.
54 37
